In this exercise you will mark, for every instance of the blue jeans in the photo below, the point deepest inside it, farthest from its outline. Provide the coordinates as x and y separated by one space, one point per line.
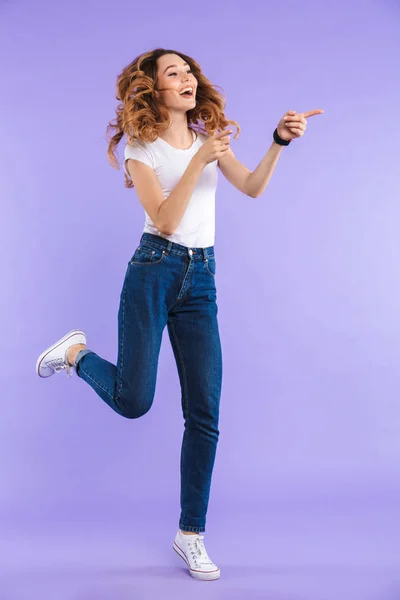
168 284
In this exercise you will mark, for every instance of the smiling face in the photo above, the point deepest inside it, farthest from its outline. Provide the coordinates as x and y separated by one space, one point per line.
176 83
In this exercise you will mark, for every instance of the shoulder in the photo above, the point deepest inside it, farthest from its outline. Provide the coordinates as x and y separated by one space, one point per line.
136 144
138 150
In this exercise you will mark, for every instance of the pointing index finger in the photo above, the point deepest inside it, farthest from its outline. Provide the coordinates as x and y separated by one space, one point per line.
312 113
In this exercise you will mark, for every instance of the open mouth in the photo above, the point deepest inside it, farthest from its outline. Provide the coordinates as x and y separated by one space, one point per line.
187 92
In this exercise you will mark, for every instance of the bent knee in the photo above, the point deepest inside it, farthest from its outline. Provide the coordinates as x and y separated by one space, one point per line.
133 409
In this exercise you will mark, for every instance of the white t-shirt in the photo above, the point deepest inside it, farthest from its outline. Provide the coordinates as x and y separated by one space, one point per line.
197 227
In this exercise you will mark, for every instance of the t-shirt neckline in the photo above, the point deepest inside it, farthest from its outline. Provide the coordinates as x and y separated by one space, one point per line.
195 138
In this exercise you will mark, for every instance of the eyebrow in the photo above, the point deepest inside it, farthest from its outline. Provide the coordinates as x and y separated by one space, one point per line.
176 66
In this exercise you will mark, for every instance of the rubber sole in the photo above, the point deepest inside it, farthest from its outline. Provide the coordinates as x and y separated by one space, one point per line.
203 576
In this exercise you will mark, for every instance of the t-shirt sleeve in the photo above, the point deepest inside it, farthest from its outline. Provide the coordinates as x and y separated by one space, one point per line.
137 151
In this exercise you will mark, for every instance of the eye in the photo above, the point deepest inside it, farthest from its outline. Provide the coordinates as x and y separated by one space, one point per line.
189 71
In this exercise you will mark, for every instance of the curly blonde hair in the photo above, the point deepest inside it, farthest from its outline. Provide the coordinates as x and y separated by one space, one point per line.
140 115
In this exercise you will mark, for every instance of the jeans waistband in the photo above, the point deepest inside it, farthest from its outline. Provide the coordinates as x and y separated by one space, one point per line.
156 241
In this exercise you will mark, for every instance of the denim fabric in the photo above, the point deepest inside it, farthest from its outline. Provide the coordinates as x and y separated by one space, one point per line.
167 284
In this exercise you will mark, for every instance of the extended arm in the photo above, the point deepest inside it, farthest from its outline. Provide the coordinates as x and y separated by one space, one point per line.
253 183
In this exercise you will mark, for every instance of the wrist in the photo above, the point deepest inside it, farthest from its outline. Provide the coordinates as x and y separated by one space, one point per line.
278 147
279 140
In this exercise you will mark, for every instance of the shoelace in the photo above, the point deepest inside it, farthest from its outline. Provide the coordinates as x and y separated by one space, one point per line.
198 551
57 364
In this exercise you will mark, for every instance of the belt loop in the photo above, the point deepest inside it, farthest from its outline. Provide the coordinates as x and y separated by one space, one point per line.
169 246
204 253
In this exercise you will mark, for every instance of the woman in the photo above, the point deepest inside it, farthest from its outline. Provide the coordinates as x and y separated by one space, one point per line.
174 123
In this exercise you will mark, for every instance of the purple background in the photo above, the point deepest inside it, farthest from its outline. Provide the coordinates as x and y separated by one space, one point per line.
306 487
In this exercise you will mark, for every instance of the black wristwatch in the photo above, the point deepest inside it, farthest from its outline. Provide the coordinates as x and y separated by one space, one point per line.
279 140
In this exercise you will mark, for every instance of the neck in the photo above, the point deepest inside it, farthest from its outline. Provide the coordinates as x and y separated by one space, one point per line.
178 133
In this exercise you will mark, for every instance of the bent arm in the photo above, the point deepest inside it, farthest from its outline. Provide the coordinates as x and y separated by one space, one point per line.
165 213
251 183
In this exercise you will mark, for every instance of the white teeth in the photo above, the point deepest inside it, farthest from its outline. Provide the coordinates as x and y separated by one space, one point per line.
188 89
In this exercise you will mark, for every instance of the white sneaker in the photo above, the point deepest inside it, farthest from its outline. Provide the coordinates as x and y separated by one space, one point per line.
191 548
54 358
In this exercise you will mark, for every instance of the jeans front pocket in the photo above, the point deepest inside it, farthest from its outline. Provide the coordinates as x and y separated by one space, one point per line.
211 265
147 255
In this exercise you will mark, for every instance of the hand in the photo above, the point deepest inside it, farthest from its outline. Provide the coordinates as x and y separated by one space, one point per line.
293 125
215 147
